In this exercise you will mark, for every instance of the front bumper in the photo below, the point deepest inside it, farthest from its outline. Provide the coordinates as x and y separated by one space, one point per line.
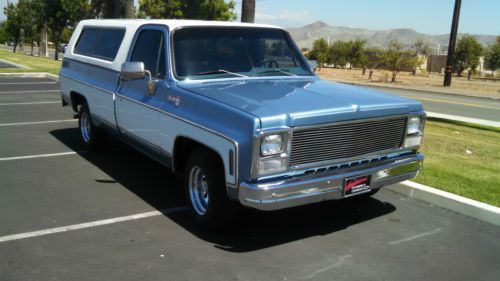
314 188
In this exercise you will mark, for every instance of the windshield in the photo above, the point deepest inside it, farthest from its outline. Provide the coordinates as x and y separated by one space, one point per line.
215 52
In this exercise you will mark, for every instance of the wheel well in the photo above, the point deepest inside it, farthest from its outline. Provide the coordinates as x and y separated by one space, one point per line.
183 147
76 100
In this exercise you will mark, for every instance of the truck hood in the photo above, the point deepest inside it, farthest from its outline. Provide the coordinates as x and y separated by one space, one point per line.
301 102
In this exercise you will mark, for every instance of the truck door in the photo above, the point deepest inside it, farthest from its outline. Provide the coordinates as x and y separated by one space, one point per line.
136 108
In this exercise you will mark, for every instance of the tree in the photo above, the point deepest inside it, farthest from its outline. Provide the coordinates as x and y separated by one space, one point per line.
372 61
356 54
248 11
421 48
305 50
121 9
319 52
12 24
66 34
3 33
129 9
102 8
467 54
30 15
395 57
338 53
492 56
64 13
187 9
42 28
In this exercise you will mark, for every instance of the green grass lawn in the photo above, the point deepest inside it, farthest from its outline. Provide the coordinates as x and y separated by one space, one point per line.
35 64
463 159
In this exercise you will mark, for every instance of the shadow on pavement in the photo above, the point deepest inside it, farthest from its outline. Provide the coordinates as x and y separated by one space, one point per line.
254 230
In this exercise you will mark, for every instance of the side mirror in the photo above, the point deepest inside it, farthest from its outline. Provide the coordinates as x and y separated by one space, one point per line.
313 64
132 71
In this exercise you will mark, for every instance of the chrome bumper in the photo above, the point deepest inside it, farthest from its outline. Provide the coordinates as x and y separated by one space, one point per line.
304 190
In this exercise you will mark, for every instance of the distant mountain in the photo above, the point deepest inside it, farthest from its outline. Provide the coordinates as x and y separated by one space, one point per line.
305 36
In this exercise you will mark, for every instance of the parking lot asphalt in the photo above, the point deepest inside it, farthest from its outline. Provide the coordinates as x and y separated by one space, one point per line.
70 214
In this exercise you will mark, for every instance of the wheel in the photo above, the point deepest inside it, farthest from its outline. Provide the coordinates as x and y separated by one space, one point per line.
93 137
205 188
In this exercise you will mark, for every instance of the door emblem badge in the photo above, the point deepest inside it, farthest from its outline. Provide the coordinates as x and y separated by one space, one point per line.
176 100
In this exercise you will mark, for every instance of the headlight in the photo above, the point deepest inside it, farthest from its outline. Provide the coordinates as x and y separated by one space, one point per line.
272 165
414 132
271 145
414 126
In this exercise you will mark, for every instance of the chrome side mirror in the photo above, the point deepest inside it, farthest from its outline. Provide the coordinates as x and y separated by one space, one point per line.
135 71
132 71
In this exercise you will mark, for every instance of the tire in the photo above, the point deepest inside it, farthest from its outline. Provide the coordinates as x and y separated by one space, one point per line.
205 188
92 136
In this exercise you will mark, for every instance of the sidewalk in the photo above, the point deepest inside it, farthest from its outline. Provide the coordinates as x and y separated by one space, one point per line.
432 83
433 89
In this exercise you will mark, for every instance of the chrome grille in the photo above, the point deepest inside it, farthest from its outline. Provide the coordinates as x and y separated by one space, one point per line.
346 140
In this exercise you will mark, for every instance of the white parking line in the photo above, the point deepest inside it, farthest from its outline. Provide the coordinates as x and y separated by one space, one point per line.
435 231
41 155
27 92
26 83
28 103
89 224
37 122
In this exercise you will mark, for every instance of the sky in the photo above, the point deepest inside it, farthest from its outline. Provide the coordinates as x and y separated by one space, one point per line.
425 16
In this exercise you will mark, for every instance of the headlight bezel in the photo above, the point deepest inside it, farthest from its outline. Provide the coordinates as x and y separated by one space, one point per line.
265 164
414 132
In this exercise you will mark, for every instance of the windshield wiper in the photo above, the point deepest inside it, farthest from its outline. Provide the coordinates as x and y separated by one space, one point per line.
218 71
276 70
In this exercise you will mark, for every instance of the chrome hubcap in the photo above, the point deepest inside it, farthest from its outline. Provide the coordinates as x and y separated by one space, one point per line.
85 126
198 190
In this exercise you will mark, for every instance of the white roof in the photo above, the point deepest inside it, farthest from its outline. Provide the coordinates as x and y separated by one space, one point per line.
170 23
131 25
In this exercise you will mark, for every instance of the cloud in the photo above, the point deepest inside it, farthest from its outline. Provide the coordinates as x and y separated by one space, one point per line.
285 15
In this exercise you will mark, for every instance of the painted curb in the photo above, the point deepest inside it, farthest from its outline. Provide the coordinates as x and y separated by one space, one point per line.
30 75
15 64
463 119
449 201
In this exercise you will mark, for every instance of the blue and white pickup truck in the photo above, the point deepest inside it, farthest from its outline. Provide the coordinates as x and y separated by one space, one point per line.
237 110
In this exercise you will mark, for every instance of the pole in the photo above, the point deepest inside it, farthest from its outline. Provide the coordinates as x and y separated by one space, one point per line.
129 9
450 58
248 11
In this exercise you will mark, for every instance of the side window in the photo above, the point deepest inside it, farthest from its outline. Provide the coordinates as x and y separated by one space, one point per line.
108 43
149 49
102 43
86 42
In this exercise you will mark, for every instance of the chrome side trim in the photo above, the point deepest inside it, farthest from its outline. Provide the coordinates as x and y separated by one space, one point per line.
88 84
194 124
235 143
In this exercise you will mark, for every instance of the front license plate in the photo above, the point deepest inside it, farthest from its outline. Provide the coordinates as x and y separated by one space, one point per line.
353 186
